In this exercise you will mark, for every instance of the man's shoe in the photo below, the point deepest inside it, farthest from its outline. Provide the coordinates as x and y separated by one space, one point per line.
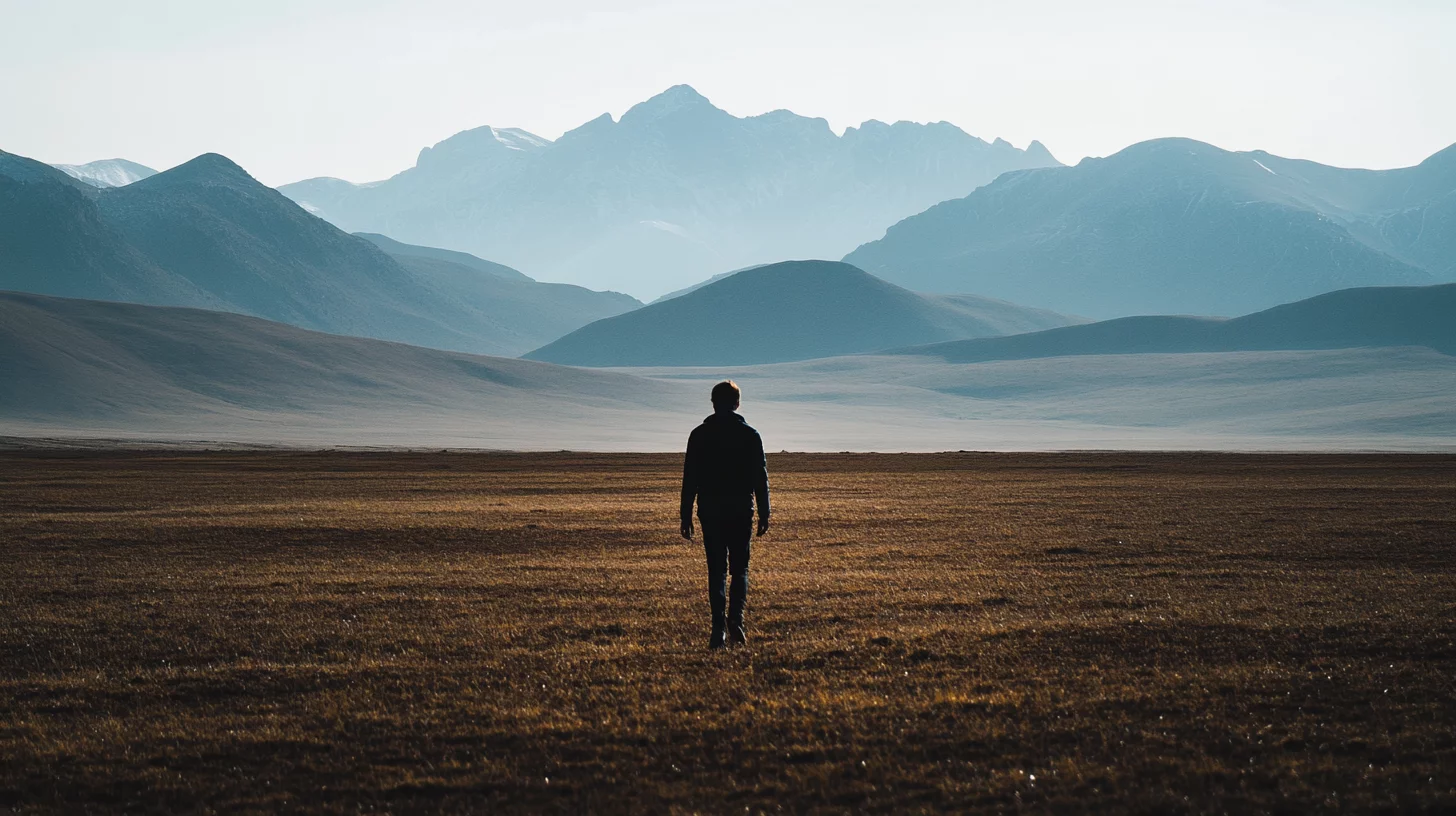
716 641
737 636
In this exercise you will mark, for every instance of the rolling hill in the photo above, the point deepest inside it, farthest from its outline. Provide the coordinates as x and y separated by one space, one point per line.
1351 318
149 370
674 191
100 373
207 234
794 310
1175 226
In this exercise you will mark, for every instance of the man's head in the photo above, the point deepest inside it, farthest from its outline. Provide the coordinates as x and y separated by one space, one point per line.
726 396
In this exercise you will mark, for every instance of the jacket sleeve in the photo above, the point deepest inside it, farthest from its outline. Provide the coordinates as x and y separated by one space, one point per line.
691 467
760 477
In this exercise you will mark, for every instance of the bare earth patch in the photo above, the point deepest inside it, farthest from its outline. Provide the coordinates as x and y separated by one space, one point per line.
1070 632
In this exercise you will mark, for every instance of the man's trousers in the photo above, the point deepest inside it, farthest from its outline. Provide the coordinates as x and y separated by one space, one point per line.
727 542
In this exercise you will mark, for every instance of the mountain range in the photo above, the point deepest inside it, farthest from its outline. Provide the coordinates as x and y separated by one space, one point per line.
206 234
1178 226
795 310
674 191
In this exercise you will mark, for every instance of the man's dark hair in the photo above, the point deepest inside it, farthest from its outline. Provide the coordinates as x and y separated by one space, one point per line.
726 395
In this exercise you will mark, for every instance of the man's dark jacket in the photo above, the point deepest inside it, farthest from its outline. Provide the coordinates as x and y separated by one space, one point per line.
725 470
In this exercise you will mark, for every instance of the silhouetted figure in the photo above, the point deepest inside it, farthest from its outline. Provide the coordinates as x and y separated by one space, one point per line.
725 471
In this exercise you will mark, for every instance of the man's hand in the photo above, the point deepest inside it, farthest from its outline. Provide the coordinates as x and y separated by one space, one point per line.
762 525
687 529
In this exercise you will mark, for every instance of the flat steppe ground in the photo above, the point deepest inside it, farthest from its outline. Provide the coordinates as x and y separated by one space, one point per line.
470 631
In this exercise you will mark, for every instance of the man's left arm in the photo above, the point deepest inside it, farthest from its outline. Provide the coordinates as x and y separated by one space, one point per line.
760 484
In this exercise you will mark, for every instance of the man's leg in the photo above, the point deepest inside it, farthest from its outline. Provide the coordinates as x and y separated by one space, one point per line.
716 549
739 549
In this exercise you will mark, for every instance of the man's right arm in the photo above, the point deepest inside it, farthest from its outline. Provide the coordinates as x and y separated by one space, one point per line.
760 483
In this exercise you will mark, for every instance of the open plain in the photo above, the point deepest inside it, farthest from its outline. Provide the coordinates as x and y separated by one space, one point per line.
479 631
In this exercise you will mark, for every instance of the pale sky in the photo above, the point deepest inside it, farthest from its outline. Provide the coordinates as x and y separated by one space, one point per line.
354 88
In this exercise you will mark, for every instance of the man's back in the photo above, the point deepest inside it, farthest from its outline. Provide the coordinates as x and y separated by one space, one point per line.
725 468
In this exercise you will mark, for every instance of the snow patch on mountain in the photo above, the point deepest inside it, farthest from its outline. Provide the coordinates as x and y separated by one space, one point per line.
517 139
107 172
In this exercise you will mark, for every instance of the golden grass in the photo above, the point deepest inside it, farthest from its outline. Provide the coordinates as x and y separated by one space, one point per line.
1146 632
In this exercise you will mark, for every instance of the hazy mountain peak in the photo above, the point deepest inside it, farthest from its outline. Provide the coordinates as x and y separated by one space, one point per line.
481 142
1170 145
1171 153
215 161
942 126
674 100
587 130
1038 151
783 116
680 94
906 132
207 169
107 172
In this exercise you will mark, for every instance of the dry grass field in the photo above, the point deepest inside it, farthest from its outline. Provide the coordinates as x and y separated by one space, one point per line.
488 632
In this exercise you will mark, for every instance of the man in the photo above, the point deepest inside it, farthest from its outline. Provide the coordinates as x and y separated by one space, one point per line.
725 471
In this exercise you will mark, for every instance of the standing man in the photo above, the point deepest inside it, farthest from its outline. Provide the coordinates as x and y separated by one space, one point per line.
725 471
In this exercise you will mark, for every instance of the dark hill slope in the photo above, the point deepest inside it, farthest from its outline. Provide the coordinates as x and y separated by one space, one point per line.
795 310
1351 318
116 364
1170 226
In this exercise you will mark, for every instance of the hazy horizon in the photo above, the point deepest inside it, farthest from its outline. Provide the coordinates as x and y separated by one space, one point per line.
355 90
